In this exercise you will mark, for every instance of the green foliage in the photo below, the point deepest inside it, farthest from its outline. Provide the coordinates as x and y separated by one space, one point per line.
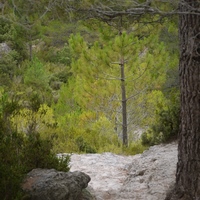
84 146
97 78
11 170
7 105
38 154
166 126
134 148
11 167
8 68
6 31
29 121
10 54
55 33
35 75
66 103
71 88
20 153
35 101
61 55
37 80
12 36
81 131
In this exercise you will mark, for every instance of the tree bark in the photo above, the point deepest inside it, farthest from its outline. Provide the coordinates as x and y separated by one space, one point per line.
123 93
124 101
188 166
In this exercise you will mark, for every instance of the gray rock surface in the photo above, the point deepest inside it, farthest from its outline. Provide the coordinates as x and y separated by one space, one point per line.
146 176
49 184
152 175
4 49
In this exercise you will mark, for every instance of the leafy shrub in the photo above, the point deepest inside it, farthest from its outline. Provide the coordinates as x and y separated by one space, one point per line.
84 146
20 153
35 75
11 168
37 153
134 148
165 129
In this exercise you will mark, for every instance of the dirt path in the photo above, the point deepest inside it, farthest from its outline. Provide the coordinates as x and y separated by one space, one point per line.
146 176
107 171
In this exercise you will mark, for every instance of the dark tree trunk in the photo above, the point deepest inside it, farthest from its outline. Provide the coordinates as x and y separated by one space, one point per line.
123 93
188 167
30 51
124 101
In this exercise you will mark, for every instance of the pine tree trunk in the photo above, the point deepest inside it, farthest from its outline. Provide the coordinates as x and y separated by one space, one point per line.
124 101
123 93
188 167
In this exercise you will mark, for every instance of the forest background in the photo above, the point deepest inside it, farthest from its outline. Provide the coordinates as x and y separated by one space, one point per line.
61 84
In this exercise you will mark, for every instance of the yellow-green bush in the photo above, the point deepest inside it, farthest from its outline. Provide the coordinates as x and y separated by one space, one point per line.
20 153
165 128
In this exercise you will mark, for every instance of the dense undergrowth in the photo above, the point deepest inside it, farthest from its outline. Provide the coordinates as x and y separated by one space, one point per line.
20 153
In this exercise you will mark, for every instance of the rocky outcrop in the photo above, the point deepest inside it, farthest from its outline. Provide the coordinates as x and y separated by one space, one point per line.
146 176
49 184
152 175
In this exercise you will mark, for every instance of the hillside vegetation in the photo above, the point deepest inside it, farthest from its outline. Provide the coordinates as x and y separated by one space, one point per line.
84 86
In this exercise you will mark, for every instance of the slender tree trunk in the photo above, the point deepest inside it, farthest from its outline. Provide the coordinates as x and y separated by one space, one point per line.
188 167
124 101
123 93
30 51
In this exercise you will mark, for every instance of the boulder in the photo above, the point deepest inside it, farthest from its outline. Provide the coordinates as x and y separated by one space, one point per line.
4 48
49 184
151 175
